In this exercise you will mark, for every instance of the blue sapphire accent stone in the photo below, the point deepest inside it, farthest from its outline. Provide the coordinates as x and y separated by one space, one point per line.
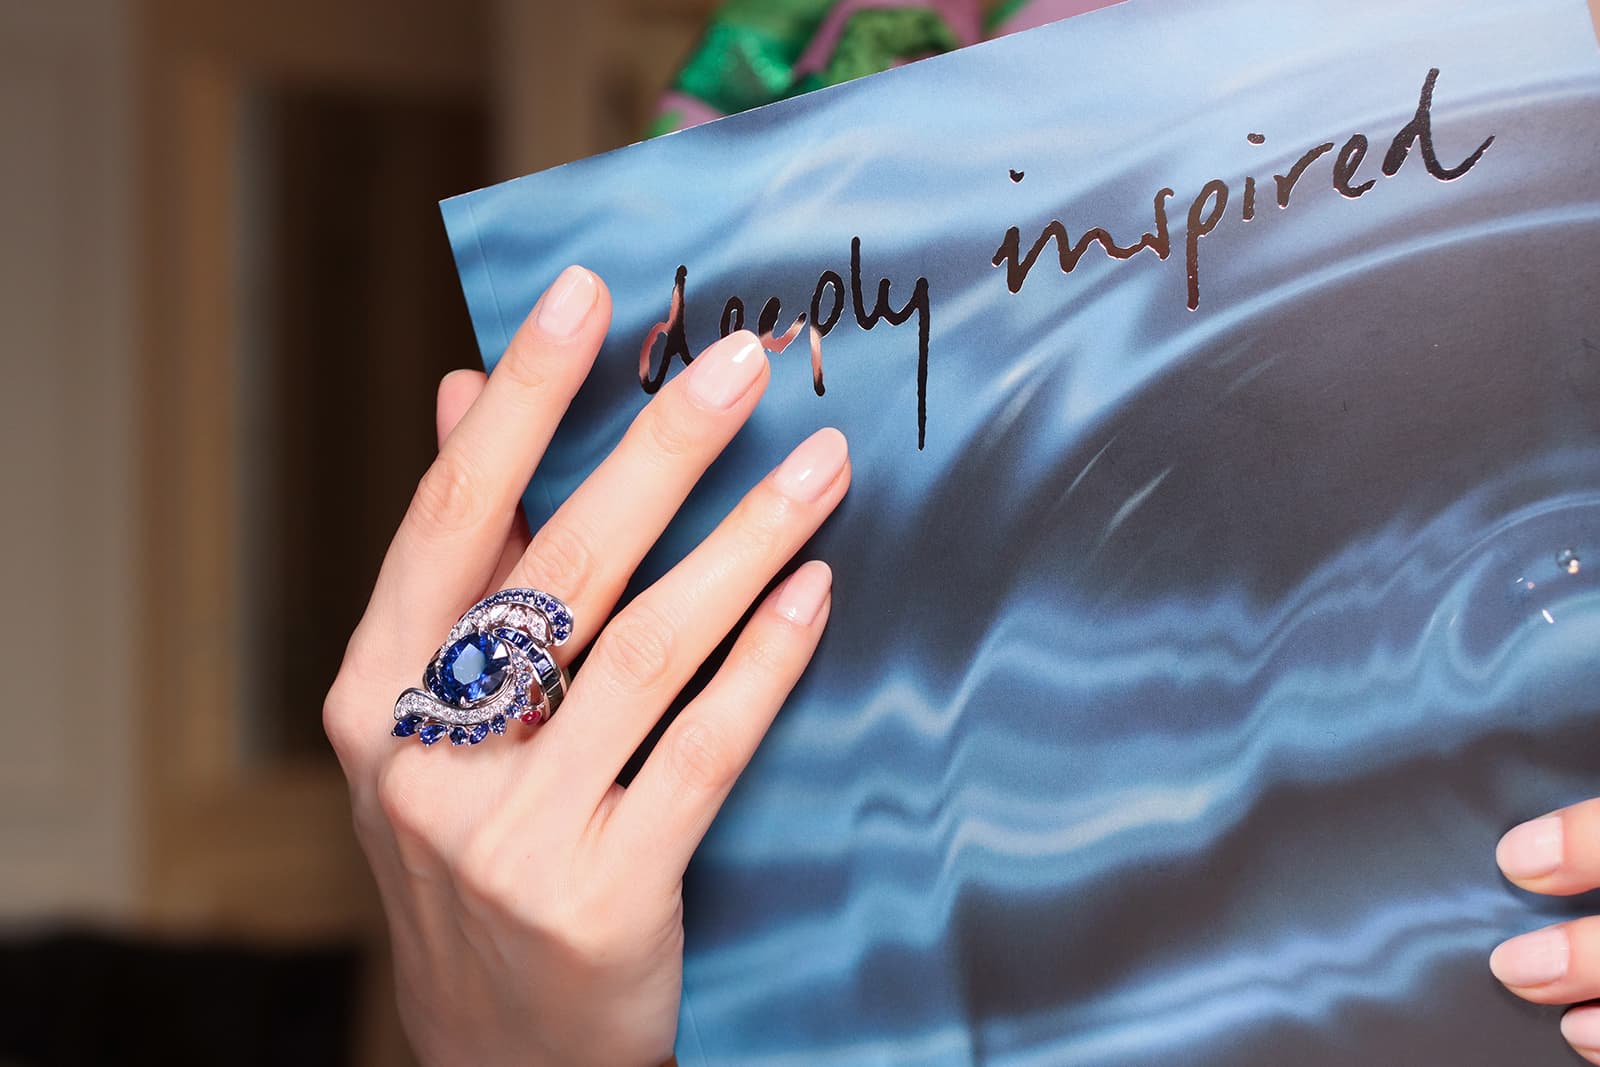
477 733
407 726
431 733
458 735
471 669
498 724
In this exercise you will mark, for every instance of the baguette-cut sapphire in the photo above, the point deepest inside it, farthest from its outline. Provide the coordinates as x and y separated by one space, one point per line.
471 669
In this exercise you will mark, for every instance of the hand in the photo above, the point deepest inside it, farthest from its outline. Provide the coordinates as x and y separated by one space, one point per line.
534 905
1559 855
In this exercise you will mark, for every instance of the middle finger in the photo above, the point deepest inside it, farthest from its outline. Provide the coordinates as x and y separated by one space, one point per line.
654 645
589 548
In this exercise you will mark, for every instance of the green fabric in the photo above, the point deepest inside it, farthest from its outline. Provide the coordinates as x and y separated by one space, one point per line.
874 38
747 56
748 53
1002 11
669 120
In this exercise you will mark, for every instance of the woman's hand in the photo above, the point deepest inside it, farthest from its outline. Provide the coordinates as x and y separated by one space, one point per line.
534 904
1558 854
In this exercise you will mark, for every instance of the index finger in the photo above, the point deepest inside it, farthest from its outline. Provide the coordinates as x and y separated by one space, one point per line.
443 556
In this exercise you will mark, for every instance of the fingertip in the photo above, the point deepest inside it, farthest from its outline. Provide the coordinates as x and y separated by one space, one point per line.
1532 960
843 444
1581 1028
457 392
817 465
462 378
727 372
1532 850
571 307
804 594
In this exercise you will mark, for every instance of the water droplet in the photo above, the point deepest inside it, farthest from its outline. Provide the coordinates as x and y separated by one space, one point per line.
1568 560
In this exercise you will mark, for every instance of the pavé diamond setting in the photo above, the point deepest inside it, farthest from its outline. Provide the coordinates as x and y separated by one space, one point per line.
495 665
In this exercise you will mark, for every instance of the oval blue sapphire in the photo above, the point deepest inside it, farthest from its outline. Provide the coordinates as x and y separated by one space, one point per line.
473 668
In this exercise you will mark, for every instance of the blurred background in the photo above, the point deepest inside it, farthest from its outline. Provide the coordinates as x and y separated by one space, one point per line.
225 298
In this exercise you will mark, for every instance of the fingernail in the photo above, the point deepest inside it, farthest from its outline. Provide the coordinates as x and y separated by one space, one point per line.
1581 1028
1534 959
802 596
813 466
1533 849
726 371
567 303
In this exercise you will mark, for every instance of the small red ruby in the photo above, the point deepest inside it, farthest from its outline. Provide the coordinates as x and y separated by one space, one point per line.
530 717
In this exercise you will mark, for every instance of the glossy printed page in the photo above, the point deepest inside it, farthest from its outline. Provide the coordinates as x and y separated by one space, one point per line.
1221 575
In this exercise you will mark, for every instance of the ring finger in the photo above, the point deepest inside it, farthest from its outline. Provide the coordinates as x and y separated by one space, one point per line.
1556 965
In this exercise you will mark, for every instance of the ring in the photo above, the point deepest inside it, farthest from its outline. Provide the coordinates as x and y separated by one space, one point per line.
493 667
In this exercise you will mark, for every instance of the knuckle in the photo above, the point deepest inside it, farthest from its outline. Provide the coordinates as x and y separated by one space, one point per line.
339 730
401 807
483 874
591 934
448 496
341 720
636 649
761 521
701 757
369 823
523 370
670 434
601 943
560 558
768 655
334 715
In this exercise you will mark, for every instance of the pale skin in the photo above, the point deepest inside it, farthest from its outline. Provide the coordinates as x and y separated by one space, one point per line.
1559 855
535 905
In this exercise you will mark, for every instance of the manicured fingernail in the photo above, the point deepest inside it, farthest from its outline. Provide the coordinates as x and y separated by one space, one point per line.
1534 959
1581 1028
1531 850
802 596
813 466
567 303
726 371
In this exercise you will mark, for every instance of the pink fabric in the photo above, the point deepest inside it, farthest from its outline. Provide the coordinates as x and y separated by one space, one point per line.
694 111
963 17
1042 11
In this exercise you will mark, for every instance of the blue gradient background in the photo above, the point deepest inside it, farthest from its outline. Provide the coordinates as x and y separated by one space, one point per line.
1176 694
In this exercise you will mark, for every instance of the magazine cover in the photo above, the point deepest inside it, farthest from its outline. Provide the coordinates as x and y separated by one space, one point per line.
1219 579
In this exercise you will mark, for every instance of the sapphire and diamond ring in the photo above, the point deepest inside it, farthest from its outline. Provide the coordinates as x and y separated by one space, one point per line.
494 666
